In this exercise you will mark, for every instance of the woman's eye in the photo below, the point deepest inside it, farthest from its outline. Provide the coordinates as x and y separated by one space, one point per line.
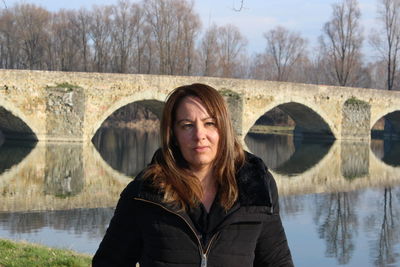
210 123
187 126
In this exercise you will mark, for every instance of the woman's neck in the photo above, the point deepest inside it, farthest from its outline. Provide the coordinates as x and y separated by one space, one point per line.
209 186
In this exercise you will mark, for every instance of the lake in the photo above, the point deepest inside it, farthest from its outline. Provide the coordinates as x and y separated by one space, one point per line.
339 201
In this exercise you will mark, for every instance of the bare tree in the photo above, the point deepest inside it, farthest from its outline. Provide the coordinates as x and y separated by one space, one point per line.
100 33
81 23
32 30
174 26
65 43
261 67
238 9
127 22
145 47
9 45
191 25
388 42
342 40
231 45
285 48
209 51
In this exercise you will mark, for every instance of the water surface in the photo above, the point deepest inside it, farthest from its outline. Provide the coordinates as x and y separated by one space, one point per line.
339 200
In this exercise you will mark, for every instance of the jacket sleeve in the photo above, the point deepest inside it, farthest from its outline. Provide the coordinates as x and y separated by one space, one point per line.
272 248
121 245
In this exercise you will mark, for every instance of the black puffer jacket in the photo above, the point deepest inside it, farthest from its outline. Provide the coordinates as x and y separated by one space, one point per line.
146 230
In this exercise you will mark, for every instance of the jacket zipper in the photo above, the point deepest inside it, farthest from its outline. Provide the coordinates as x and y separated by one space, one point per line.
203 253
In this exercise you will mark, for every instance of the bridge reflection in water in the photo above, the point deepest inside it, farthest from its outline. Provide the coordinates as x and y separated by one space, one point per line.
334 190
349 198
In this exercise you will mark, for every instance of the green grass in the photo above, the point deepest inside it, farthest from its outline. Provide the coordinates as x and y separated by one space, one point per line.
21 254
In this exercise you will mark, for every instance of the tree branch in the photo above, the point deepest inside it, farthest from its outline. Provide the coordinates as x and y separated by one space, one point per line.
240 7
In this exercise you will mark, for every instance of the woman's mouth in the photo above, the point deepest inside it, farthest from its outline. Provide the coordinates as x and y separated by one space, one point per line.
201 149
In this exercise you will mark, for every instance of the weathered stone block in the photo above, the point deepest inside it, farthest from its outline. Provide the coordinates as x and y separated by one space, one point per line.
356 117
235 106
65 110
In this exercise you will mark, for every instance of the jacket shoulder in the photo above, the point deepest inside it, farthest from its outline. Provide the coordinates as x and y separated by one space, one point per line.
142 187
136 186
256 184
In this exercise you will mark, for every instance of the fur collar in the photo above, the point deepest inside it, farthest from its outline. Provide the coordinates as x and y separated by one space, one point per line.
253 179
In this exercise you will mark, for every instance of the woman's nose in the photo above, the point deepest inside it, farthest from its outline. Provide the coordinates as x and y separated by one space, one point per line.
199 132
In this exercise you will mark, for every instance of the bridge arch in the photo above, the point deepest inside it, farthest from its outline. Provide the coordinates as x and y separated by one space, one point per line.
15 125
392 114
307 119
150 99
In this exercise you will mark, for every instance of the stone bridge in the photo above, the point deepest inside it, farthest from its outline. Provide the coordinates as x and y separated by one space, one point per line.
68 106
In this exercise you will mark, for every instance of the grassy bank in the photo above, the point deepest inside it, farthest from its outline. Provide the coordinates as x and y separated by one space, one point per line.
20 254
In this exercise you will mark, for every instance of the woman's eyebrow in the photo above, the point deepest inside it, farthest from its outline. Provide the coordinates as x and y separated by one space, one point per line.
189 120
184 120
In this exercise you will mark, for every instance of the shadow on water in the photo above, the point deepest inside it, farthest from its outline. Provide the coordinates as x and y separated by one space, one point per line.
285 155
126 150
387 150
13 152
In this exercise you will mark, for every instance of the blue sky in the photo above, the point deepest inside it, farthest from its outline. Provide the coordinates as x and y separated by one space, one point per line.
257 16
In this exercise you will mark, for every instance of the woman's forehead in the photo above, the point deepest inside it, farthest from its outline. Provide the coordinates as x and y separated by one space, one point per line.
191 105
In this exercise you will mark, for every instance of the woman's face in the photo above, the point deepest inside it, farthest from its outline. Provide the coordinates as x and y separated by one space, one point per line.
196 133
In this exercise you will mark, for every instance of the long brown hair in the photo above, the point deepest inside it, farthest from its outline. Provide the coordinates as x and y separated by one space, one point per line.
170 171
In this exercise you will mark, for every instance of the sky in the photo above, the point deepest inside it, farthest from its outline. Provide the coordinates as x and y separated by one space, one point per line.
306 17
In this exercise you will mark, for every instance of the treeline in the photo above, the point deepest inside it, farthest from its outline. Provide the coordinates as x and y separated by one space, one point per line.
166 37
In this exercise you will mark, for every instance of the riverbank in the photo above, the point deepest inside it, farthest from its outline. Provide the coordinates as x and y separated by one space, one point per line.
21 254
269 129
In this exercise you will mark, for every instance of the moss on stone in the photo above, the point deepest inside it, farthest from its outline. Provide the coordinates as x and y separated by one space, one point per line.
66 86
229 93
354 101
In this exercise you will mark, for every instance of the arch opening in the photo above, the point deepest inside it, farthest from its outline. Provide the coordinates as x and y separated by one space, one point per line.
128 138
14 128
291 138
387 127
294 118
16 140
385 138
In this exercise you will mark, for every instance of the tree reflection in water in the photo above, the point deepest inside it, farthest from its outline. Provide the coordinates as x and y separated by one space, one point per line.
92 222
386 221
336 219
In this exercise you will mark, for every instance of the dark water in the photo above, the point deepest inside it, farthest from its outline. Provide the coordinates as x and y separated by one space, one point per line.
357 226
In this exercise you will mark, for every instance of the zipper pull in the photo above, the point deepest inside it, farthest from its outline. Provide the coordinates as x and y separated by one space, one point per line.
203 260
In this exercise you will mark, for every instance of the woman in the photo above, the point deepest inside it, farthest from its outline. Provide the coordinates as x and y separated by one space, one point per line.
202 201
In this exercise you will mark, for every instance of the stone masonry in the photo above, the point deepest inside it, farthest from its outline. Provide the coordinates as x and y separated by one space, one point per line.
70 106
